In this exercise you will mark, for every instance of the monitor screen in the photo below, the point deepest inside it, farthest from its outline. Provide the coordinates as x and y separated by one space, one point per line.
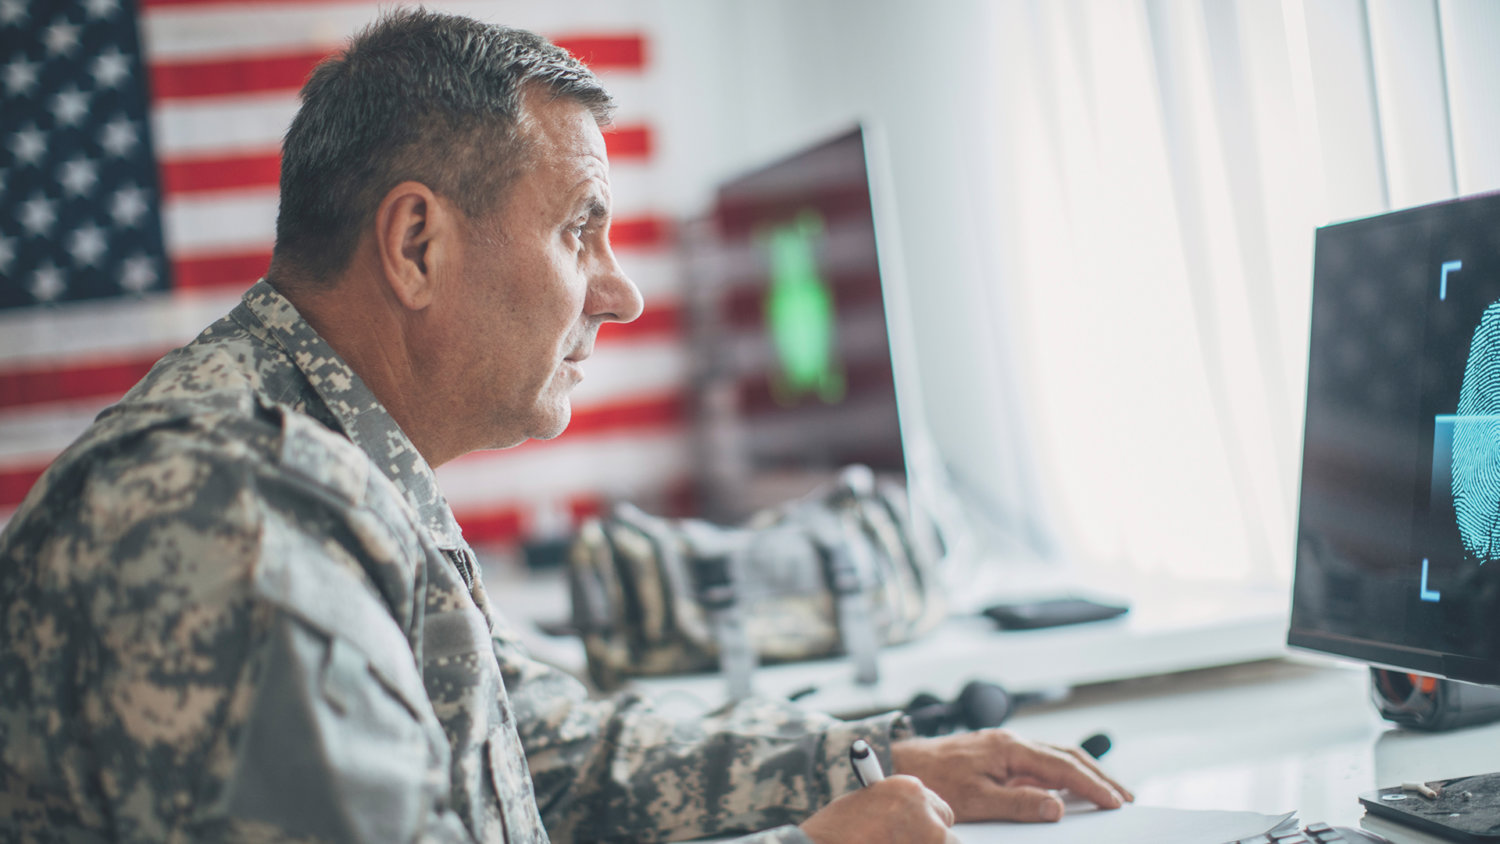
1398 541
793 354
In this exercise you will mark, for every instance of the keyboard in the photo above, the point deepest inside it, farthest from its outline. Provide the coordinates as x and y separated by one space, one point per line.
1315 833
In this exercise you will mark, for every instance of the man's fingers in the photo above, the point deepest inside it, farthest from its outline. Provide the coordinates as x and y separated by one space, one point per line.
896 809
995 775
1092 764
1058 769
1027 804
940 807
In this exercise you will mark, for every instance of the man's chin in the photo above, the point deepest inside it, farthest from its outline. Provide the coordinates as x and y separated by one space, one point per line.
553 424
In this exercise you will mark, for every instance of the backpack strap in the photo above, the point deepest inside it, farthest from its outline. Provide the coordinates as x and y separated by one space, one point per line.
714 556
848 570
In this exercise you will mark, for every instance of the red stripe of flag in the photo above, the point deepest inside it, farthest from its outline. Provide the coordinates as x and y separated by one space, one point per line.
220 270
185 79
628 143
500 524
15 483
660 412
582 507
73 380
227 172
651 413
656 321
263 169
179 79
640 232
606 52
507 523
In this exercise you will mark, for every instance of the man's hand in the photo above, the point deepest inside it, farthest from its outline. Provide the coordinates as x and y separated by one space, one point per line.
994 775
896 809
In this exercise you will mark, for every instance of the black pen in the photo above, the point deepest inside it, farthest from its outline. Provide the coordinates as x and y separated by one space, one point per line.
866 765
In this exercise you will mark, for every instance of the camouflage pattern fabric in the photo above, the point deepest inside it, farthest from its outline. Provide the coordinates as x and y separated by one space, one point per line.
239 609
638 602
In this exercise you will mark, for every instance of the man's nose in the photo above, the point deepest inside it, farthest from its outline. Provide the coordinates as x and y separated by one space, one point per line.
616 298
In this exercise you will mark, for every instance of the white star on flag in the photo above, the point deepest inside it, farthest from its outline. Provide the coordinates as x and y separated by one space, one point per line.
119 137
61 38
111 68
12 11
88 245
20 76
128 206
47 282
37 215
79 176
69 106
139 274
28 145
99 9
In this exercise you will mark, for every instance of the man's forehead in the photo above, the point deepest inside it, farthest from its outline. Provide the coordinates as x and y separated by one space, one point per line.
562 122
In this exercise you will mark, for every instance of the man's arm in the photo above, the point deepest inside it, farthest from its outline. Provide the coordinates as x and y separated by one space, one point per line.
617 769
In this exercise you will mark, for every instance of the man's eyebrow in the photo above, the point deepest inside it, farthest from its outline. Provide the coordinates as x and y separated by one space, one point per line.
596 209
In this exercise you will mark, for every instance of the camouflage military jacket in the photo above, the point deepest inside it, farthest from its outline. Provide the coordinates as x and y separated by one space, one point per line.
238 608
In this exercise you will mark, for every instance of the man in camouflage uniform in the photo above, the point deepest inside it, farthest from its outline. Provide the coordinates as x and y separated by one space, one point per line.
238 608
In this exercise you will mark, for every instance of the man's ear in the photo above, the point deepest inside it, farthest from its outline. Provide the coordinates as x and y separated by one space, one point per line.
413 231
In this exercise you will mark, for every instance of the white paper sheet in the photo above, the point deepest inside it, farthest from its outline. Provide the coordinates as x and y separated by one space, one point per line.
1128 824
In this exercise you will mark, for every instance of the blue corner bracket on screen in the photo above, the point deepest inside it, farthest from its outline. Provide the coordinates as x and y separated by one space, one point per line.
1448 267
1426 594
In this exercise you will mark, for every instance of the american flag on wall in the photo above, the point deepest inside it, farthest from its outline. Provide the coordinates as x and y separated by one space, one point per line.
91 299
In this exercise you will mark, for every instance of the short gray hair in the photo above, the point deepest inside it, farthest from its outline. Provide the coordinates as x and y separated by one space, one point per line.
417 96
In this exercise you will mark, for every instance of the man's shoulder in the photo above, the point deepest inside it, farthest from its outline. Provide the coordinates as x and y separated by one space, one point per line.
217 409
225 366
191 438
177 505
204 459
195 457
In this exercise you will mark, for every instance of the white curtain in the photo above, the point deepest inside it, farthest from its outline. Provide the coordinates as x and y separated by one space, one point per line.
1162 166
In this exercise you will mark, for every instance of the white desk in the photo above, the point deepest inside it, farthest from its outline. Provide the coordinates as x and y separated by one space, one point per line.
1171 627
1269 736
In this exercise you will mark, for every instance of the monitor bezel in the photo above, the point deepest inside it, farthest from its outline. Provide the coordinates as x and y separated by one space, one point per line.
1379 654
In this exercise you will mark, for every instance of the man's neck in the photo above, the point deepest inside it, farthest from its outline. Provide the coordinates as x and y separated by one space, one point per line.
369 330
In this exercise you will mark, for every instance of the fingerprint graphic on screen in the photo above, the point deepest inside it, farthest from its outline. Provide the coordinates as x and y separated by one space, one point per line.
1476 443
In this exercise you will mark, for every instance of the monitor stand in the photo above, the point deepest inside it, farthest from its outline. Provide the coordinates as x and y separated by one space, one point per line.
1465 809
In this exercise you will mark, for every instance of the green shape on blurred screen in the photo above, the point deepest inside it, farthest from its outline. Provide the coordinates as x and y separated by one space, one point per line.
800 314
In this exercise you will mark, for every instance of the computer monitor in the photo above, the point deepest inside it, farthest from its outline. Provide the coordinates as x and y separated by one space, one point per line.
1398 540
793 354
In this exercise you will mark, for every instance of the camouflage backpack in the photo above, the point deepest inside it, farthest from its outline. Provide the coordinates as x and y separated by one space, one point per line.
841 570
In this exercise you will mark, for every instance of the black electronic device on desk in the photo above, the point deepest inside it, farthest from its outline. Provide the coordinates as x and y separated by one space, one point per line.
1052 612
1398 539
1462 808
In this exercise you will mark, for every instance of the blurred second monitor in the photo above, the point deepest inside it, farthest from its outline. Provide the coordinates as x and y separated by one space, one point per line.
793 372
